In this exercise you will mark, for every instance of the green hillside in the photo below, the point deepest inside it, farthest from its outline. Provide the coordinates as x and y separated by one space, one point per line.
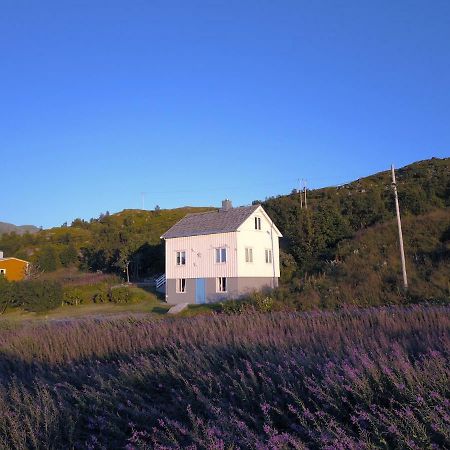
365 270
344 247
341 250
105 243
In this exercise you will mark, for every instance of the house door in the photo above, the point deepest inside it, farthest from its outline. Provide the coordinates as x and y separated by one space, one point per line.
200 295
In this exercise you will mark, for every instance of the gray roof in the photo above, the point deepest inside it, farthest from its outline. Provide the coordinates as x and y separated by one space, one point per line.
212 222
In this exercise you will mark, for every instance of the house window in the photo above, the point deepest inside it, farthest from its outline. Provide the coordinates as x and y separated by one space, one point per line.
257 223
221 284
2 271
181 258
249 255
181 285
268 256
221 255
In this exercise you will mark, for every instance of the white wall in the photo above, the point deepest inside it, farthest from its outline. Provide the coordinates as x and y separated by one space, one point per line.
200 252
201 257
259 240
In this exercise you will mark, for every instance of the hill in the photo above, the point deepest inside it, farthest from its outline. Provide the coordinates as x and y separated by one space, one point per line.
18 229
342 249
105 243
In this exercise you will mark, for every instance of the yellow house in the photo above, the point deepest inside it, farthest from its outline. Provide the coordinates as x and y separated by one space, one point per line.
13 269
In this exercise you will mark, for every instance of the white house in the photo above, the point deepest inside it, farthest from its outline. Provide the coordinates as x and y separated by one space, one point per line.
221 254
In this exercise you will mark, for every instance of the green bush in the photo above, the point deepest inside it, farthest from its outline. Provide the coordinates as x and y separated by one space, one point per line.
37 296
119 295
101 296
261 302
233 306
73 296
255 302
5 293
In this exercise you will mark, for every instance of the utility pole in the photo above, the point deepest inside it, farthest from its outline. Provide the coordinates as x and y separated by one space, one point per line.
400 234
143 199
304 190
301 193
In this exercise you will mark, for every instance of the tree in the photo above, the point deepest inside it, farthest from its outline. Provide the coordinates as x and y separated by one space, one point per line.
47 259
80 223
68 255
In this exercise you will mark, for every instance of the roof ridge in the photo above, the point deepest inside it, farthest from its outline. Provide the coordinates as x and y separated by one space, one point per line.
13 257
211 222
217 210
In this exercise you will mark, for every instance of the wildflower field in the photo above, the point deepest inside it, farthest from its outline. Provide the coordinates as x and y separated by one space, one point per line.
356 379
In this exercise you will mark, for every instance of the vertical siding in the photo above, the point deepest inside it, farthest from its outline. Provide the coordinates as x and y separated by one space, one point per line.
259 241
200 256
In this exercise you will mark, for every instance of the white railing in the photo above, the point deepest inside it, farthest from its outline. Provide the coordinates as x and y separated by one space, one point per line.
160 280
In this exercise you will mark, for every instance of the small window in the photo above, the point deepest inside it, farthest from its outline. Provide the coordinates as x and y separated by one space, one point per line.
249 255
221 284
2 271
268 256
181 285
181 258
257 223
221 255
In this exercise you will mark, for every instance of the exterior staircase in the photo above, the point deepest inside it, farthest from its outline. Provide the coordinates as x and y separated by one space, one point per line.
160 283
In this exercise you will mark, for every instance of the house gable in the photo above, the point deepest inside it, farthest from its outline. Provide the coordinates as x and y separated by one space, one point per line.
258 246
266 222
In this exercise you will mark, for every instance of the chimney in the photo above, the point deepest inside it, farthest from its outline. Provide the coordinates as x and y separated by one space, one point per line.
226 205
1 255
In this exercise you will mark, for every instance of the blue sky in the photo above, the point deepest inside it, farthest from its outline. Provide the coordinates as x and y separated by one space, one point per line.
194 101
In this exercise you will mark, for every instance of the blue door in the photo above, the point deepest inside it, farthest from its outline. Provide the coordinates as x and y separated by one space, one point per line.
200 296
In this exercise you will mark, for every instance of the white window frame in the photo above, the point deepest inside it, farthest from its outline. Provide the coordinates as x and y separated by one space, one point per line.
257 223
221 284
268 256
248 254
2 271
179 260
180 285
219 253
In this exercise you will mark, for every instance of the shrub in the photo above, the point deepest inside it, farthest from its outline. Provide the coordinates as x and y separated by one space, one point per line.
119 295
5 293
37 296
73 296
261 302
233 306
255 302
101 296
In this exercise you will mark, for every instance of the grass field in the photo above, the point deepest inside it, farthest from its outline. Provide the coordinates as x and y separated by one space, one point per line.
143 303
357 379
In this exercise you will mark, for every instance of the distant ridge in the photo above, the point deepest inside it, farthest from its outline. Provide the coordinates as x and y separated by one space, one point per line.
19 229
